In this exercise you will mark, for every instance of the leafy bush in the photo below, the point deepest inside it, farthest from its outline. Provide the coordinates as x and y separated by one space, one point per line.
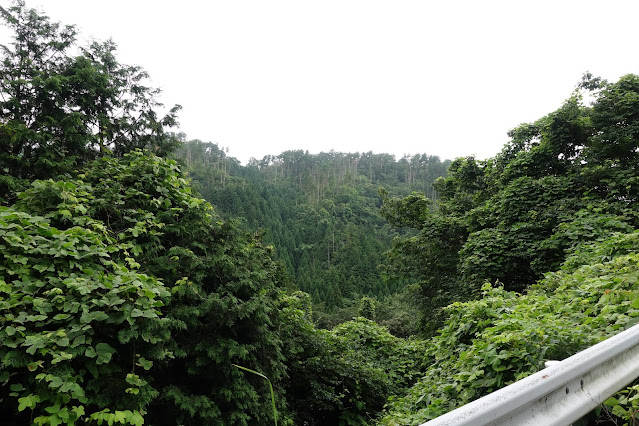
503 337
79 329
93 239
344 375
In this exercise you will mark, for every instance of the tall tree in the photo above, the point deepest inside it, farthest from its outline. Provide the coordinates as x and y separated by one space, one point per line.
61 106
569 177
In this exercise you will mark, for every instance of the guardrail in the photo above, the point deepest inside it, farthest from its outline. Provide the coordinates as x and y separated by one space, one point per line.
559 394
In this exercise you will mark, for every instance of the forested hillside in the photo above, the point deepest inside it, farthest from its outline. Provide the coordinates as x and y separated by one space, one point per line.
557 204
126 298
321 212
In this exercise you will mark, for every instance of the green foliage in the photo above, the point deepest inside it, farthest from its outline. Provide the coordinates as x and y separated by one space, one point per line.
59 111
616 113
92 235
75 322
344 376
319 211
430 258
226 293
624 406
567 178
125 299
367 307
399 314
489 343
123 417
411 211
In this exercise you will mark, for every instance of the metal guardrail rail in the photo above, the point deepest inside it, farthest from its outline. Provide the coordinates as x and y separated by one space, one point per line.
559 394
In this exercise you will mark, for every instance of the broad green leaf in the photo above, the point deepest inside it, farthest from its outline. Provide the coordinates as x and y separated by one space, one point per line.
104 352
144 363
29 401
136 419
611 402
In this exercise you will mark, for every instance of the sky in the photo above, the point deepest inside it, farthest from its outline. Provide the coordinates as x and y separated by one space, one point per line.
445 78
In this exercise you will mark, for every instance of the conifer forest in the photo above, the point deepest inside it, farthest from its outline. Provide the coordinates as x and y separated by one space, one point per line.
149 278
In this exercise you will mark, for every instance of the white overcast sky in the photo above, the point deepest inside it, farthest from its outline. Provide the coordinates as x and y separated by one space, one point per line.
446 78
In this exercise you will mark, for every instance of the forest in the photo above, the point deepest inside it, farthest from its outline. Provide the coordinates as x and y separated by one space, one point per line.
321 214
146 278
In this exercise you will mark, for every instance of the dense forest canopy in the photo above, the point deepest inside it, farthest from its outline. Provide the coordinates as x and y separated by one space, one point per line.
561 195
150 279
320 211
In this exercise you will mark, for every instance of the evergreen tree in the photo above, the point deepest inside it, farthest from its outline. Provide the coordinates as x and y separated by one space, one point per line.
59 111
319 211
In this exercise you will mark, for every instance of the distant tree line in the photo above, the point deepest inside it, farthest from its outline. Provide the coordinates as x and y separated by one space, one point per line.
320 211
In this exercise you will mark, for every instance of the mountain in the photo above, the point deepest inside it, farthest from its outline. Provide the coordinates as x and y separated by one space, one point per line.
319 211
